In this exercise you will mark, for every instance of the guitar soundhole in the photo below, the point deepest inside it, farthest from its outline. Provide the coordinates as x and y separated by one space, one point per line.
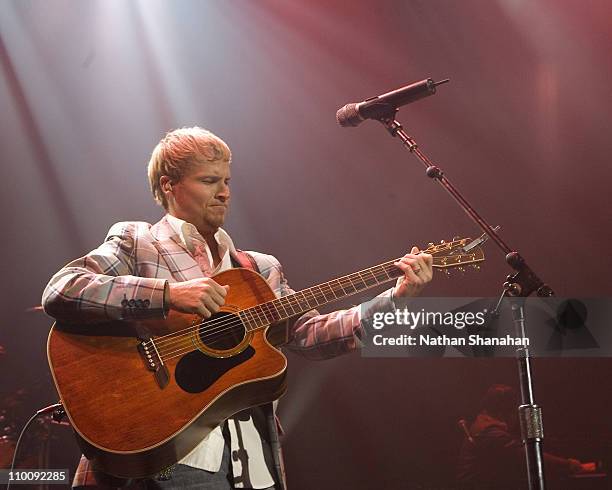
222 331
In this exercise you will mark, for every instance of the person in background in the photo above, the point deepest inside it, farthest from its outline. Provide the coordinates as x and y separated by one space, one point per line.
493 457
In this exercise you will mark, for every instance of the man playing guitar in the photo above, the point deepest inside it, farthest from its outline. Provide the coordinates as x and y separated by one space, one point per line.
148 272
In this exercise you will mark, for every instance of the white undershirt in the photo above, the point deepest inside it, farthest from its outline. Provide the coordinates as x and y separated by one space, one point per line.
208 454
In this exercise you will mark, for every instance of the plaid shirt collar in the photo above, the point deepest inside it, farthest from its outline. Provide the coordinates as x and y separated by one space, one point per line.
188 234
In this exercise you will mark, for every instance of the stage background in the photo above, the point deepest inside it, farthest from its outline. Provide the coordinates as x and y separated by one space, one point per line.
523 129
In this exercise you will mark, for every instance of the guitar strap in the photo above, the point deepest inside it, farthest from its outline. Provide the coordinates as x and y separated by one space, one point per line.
244 259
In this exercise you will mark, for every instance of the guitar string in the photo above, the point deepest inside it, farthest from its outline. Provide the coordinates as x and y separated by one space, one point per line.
343 281
385 266
228 324
219 333
432 248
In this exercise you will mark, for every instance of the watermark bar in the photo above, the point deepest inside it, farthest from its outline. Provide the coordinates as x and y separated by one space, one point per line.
34 476
476 327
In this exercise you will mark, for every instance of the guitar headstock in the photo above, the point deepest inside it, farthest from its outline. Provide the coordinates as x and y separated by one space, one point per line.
448 255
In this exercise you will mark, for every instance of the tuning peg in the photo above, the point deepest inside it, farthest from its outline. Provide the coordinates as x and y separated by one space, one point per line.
446 272
430 244
442 241
461 269
476 266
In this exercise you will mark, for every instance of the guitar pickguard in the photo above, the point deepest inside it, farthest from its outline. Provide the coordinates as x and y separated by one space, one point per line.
196 371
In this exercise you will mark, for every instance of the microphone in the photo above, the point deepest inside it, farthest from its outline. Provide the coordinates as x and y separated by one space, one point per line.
385 105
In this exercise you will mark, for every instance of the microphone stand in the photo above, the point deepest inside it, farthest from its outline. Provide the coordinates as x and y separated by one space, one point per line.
522 283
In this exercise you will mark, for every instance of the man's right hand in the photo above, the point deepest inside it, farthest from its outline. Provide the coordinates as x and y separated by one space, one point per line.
202 296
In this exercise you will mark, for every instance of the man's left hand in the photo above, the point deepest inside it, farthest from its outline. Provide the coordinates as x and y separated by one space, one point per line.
418 271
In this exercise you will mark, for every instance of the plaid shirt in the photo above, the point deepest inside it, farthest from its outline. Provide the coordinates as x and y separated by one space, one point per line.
125 277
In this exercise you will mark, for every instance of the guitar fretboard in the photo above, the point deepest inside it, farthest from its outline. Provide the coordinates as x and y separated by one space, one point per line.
311 298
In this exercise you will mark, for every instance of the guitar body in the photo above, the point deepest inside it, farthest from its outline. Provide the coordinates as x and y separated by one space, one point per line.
132 420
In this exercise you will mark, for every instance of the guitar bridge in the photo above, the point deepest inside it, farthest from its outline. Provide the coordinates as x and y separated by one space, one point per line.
153 362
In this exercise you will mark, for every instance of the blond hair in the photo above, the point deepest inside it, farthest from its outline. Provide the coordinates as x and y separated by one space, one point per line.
178 152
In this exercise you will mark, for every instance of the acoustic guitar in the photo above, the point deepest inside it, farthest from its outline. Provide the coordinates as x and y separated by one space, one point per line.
140 403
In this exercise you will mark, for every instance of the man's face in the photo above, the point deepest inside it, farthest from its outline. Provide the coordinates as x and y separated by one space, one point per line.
202 196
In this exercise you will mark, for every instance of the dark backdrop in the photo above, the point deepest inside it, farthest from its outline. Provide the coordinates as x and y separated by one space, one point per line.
88 88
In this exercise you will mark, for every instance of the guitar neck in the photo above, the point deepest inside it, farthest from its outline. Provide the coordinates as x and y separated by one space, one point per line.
311 298
446 255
